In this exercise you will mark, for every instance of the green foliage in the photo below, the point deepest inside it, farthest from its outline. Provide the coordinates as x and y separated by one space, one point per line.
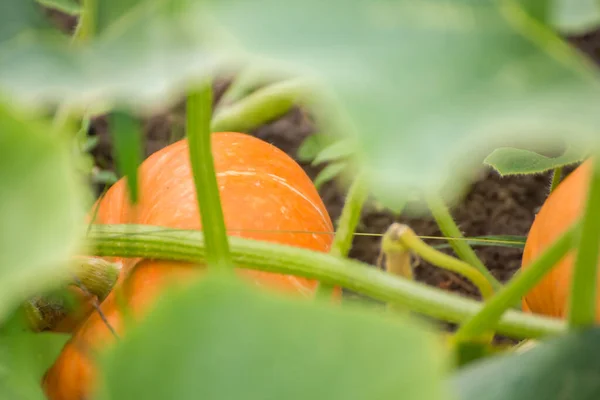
127 138
41 206
575 16
143 53
312 146
414 93
513 161
337 153
441 93
562 368
330 172
24 358
20 18
223 340
70 7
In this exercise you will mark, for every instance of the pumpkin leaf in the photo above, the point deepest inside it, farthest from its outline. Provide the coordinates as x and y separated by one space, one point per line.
560 368
575 16
126 134
144 53
20 18
312 146
328 173
190 347
512 161
70 7
443 98
24 359
41 206
338 150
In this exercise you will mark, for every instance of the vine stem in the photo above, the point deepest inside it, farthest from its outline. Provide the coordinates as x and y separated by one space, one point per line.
556 177
188 246
446 223
402 237
86 28
342 242
582 304
261 106
486 319
198 117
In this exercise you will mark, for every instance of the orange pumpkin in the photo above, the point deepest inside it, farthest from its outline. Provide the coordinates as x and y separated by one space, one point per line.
560 211
265 195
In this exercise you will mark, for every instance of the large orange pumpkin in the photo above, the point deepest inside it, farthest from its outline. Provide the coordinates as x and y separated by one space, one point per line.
560 211
265 195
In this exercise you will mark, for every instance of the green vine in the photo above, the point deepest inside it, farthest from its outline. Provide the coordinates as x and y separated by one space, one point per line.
198 117
357 195
181 245
402 238
516 288
446 223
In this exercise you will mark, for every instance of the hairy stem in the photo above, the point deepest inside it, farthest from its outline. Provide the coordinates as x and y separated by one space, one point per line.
261 106
556 177
404 237
198 117
188 246
342 242
487 318
86 28
446 223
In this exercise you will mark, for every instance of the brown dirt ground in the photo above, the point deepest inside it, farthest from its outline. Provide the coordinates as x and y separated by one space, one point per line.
494 205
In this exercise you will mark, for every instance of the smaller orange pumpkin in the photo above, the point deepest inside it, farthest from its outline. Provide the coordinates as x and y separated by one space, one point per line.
560 211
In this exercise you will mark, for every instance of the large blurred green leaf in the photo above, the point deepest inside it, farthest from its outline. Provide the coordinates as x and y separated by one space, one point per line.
19 18
25 357
41 206
563 368
429 86
575 16
223 340
146 50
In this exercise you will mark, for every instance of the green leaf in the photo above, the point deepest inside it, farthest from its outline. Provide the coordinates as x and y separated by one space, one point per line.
224 340
561 368
24 359
329 172
70 7
512 161
42 207
510 241
146 51
338 150
19 18
126 134
575 16
312 145
429 86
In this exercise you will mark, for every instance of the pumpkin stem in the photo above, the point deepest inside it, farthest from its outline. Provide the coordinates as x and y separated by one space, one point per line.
401 238
398 259
94 276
